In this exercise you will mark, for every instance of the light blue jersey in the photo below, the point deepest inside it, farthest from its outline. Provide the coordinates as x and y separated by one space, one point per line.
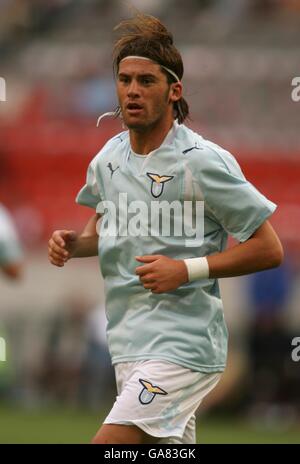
185 326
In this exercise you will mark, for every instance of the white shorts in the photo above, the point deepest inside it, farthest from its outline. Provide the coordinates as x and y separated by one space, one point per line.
161 398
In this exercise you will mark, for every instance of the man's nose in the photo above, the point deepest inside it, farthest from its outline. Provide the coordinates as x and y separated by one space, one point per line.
133 89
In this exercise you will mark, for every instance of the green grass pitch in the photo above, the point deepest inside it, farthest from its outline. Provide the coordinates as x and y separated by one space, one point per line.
73 426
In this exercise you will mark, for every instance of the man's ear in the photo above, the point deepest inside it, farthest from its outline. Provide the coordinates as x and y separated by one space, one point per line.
176 91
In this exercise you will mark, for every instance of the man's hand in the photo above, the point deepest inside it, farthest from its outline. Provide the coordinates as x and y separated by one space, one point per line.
161 274
62 246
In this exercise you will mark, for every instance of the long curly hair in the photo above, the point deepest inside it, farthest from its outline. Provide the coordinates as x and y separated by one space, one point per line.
145 35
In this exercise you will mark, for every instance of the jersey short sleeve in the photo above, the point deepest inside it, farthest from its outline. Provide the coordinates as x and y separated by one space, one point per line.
235 203
92 192
89 195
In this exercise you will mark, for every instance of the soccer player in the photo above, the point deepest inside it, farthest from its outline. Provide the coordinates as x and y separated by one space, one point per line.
166 330
11 255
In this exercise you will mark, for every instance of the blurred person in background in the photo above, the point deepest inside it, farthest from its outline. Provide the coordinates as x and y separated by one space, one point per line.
75 367
270 391
11 255
59 377
166 328
11 265
97 385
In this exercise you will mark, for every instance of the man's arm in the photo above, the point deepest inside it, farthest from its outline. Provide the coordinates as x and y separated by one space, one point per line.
262 250
67 244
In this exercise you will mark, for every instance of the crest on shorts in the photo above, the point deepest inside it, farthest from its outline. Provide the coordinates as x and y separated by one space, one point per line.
149 391
158 183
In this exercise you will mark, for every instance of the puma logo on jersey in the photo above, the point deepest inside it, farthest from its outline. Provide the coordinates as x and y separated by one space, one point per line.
190 149
111 169
149 391
158 183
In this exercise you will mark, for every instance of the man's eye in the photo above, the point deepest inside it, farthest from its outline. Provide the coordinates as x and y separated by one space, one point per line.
147 80
125 80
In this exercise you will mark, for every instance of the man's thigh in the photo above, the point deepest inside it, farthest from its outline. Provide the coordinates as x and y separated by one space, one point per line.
122 434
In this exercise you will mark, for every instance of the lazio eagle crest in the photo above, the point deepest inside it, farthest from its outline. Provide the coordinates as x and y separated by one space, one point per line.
149 391
158 183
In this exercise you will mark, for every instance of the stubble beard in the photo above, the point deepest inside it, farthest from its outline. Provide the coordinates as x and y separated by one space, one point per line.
148 125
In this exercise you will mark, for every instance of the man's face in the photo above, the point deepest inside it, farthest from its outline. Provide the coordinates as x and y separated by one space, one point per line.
145 97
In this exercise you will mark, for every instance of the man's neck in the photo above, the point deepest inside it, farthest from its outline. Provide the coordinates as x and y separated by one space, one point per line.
143 142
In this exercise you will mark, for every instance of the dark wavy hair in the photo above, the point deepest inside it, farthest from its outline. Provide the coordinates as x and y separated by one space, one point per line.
145 35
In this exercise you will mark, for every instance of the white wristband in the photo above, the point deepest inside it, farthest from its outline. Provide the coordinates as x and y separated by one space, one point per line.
197 268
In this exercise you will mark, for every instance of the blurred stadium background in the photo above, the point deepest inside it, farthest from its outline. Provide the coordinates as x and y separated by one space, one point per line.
55 56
